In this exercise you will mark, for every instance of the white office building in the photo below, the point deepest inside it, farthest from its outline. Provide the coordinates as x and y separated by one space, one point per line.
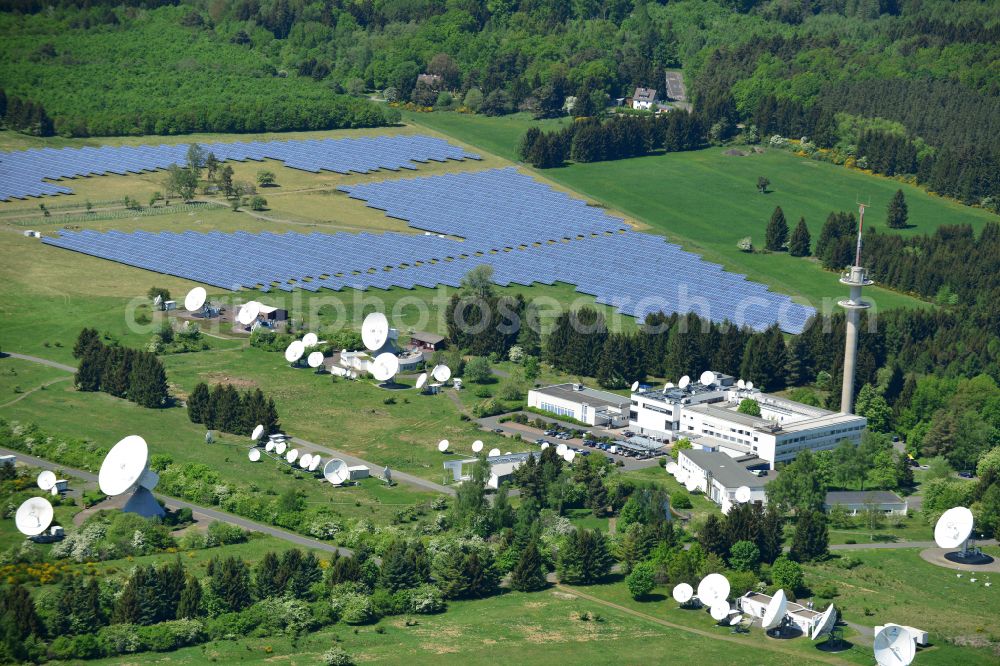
587 405
708 416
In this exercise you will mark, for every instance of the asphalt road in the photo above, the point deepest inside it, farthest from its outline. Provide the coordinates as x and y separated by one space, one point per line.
43 361
175 503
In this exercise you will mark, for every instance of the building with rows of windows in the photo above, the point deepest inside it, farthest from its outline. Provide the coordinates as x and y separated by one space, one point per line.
587 405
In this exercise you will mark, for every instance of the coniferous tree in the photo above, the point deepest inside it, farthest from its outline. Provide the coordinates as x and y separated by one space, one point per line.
398 571
117 370
16 602
449 574
898 213
799 244
148 381
501 513
87 340
265 577
480 575
811 540
597 496
771 535
189 606
230 583
137 602
728 355
528 575
584 558
777 231
88 373
712 536
197 403
168 588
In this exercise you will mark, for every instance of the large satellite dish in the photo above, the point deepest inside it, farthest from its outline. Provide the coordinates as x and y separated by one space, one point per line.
316 460
635 386
569 455
741 384
443 445
375 331
545 445
719 610
735 620
442 373
682 593
46 480
257 432
894 646
743 494
493 453
254 455
315 359
305 460
123 466
713 588
953 527
269 446
477 446
671 467
385 366
336 472
33 516
310 339
421 380
195 299
294 351
561 450
707 378
683 383
774 614
691 484
248 313
681 475
279 447
824 624
292 456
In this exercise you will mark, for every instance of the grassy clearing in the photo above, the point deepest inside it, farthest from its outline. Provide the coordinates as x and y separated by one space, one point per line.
18 377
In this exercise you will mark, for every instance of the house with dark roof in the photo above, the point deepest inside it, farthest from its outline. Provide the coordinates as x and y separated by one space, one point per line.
719 476
644 98
424 341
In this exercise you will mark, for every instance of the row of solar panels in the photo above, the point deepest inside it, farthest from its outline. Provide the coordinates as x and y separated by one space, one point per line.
22 172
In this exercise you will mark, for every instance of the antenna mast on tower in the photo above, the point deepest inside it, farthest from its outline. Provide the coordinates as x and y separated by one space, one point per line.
855 278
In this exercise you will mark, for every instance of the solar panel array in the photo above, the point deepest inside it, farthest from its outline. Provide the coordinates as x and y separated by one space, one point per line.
527 232
23 173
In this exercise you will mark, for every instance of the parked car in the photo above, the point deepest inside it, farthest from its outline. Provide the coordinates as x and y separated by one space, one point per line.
629 433
498 430
539 441
966 474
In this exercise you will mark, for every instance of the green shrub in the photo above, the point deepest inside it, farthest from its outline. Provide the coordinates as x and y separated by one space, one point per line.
680 500
426 600
336 656
354 608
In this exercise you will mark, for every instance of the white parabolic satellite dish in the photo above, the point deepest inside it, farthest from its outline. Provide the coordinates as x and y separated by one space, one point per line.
315 462
741 384
269 446
713 588
442 373
123 466
477 446
493 453
305 460
421 380
824 624
248 313
707 378
279 447
719 611
195 299
775 611
443 445
46 480
691 484
671 467
336 471
681 475
385 366
569 455
953 527
683 383
294 351
292 455
375 331
635 386
33 516
743 494
682 593
315 359
253 455
894 646
310 339
561 450
749 386
257 432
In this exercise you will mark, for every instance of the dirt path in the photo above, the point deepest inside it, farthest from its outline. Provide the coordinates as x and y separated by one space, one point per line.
37 388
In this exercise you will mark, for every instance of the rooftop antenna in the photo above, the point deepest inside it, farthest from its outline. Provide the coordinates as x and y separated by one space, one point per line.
855 278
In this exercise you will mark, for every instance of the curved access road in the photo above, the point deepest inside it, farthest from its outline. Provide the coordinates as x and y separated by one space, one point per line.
43 361
208 512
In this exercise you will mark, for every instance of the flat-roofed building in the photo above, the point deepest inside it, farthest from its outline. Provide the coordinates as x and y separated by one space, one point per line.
859 501
587 405
802 618
719 476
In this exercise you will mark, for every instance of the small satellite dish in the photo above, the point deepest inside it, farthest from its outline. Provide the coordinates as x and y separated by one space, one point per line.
33 516
316 460
385 366
681 475
683 383
894 646
375 331
707 378
280 447
561 450
442 373
443 445
749 386
248 313
775 611
315 359
269 446
671 467
569 455
305 460
743 494
493 453
719 611
336 471
545 445
741 384
635 386
195 299
824 623
294 351
46 480
254 455
421 380
735 620
292 455
257 432
682 593
54 491
691 484
310 339
713 588
953 527
124 464
477 446
668 386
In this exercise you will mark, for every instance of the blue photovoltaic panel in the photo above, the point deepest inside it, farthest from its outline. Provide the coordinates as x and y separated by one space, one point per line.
527 232
23 173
